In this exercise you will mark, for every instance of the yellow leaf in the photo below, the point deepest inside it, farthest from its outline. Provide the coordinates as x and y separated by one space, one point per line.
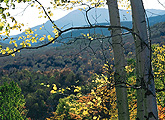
7 48
15 44
3 51
68 88
71 8
19 38
41 39
29 44
13 55
85 112
63 89
52 91
55 30
40 16
33 40
1 24
95 117
49 36
77 87
14 41
32 5
10 42
76 90
42 84
80 9
23 44
51 14
94 100
54 87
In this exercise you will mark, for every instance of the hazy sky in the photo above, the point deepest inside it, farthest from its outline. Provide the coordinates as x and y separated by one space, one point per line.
153 4
30 16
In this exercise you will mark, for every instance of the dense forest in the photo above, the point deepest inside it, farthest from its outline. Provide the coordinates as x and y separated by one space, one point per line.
68 66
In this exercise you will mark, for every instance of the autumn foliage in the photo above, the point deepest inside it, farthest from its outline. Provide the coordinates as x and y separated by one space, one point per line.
100 103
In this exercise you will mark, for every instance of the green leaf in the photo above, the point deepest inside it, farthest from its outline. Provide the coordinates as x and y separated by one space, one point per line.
8 14
3 16
6 1
1 27
1 10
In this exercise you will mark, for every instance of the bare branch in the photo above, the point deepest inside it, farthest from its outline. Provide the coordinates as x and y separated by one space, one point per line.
87 15
48 16
161 3
73 28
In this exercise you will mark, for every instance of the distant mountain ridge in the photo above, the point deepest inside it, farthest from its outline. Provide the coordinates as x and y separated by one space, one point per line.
96 16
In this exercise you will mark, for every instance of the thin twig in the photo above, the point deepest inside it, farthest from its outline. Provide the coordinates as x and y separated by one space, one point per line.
48 16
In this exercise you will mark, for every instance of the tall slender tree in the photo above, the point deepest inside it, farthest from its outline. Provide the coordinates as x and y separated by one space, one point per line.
119 59
146 96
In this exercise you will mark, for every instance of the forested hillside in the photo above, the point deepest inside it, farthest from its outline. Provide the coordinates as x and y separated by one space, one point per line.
73 56
68 65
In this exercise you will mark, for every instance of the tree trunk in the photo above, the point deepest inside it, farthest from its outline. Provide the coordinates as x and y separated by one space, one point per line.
120 75
146 96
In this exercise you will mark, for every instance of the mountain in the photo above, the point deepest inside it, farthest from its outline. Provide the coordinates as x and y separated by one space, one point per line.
96 16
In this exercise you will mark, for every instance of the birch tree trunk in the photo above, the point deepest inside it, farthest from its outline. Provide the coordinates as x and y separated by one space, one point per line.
146 96
120 75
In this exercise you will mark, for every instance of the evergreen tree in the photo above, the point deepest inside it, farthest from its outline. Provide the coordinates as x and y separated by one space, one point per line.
11 102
